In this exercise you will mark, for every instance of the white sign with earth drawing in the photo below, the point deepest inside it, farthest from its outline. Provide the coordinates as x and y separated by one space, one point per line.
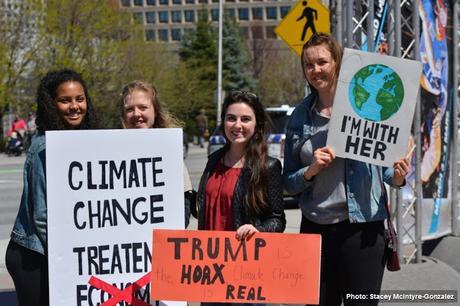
373 107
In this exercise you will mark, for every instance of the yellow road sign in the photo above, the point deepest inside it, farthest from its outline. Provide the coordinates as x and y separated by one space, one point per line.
304 19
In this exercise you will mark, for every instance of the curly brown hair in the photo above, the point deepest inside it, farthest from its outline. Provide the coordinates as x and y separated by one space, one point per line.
47 114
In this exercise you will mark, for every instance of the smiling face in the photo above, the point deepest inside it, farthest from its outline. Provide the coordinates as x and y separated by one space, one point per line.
239 123
138 111
71 104
320 67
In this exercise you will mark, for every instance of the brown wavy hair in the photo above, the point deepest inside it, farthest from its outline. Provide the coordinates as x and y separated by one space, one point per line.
256 150
331 44
163 119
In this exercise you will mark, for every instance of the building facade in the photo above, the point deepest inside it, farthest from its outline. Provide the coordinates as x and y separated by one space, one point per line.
167 20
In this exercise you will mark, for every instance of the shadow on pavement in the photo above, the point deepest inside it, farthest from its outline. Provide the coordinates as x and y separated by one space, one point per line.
446 249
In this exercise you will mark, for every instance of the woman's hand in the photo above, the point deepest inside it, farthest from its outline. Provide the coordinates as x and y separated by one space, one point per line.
245 232
322 158
401 168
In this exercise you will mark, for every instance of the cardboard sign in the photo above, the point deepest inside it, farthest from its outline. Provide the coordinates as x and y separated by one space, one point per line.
106 191
373 107
213 266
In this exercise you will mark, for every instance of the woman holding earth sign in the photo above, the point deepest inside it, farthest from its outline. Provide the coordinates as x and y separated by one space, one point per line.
341 199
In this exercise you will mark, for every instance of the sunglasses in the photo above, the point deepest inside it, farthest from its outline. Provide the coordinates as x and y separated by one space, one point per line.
244 93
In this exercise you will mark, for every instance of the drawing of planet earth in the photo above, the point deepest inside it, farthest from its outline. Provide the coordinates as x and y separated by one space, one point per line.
376 92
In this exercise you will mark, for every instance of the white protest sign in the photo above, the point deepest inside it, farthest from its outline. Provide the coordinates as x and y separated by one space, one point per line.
106 191
373 107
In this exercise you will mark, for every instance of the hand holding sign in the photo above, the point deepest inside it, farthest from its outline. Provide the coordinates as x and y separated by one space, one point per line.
402 168
322 158
245 231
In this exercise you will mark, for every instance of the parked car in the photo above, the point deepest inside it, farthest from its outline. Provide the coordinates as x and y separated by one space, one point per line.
275 139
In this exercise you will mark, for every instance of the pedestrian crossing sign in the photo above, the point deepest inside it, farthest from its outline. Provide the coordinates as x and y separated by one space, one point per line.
304 19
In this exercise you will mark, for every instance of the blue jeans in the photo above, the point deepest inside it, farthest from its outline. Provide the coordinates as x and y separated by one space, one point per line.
201 136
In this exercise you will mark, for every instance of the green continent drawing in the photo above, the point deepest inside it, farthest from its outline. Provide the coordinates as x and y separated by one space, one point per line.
376 92
361 95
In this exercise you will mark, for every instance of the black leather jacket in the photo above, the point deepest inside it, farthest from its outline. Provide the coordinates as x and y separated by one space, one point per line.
272 219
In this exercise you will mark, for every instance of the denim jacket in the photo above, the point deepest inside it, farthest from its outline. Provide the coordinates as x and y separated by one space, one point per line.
363 183
29 228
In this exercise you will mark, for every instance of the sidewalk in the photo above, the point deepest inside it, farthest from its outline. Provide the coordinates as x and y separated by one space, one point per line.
6 284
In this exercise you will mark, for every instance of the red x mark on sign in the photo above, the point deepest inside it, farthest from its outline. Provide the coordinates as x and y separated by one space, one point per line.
126 294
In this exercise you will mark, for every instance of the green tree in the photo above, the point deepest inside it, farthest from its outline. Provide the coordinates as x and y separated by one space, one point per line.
19 46
236 62
196 83
91 36
278 71
94 38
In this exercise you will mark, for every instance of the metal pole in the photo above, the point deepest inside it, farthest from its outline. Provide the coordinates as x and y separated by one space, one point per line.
418 141
397 33
349 23
338 31
397 52
370 26
219 63
344 22
390 28
455 229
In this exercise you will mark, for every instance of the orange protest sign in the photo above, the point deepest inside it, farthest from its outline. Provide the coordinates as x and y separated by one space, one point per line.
213 266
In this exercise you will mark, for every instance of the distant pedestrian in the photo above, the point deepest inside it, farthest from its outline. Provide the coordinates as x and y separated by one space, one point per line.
31 128
20 126
63 103
202 127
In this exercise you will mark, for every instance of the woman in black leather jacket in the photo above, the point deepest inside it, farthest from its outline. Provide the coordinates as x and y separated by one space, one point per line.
241 187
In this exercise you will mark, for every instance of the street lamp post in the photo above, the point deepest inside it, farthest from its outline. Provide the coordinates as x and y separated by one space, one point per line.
219 64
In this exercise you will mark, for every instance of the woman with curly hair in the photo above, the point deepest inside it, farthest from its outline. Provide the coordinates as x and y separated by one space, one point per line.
63 103
141 109
241 188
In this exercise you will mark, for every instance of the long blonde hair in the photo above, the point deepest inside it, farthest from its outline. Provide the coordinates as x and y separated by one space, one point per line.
163 119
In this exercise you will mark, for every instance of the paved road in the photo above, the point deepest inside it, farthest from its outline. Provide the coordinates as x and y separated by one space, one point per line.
10 193
10 186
